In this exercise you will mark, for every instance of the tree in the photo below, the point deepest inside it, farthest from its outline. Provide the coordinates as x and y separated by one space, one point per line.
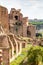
38 34
35 55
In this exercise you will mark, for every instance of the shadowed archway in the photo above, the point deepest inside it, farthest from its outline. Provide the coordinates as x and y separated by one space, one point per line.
28 33
16 17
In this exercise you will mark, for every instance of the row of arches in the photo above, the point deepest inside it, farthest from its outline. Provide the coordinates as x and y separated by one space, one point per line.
15 47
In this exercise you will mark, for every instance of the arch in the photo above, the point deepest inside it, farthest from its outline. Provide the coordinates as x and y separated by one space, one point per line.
28 33
16 17
18 47
14 44
11 47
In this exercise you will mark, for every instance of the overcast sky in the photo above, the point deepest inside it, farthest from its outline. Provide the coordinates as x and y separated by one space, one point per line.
31 8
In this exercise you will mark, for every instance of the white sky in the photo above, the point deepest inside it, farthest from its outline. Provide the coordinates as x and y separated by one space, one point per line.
31 8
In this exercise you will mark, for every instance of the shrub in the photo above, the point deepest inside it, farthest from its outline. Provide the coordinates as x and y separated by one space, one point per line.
35 55
38 35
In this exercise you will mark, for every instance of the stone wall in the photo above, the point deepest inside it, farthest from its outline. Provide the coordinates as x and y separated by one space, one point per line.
4 18
22 25
31 30
6 59
4 56
25 21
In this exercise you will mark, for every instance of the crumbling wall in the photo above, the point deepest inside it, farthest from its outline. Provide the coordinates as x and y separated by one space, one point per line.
4 18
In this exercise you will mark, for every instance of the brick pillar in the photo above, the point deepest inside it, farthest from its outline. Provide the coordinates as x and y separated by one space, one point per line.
0 57
20 47
6 56
24 30
12 47
25 24
12 51
17 49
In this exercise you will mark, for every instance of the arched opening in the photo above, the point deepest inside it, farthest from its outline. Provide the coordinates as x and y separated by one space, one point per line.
28 33
18 47
14 48
23 45
16 17
13 42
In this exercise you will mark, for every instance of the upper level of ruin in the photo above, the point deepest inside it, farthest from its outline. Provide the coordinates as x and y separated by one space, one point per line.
16 15
11 22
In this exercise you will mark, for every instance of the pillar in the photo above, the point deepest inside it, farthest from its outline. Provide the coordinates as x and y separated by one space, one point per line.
20 47
6 56
0 57
17 49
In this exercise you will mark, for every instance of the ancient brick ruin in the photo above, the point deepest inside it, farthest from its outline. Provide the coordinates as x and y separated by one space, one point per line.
20 25
11 25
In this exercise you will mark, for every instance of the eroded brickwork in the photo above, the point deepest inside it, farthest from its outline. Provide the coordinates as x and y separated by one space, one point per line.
13 24
4 18
19 24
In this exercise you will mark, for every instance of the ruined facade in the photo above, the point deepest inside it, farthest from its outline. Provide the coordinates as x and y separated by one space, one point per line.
11 25
20 25
16 23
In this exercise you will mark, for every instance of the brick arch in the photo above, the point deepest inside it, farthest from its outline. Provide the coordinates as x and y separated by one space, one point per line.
16 17
28 33
13 44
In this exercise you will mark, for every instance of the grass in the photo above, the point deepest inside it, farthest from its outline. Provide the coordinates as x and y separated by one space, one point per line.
19 60
21 57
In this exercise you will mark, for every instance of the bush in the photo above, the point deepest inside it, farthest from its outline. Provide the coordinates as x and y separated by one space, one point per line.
38 35
35 55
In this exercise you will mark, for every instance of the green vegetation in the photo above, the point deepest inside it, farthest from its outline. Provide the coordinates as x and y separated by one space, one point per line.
36 23
38 35
21 57
35 55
